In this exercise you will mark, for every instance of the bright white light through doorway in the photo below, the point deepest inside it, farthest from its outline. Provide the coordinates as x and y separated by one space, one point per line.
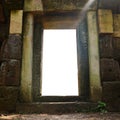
59 70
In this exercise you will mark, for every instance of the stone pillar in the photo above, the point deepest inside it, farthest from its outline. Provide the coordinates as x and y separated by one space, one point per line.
30 7
26 75
93 50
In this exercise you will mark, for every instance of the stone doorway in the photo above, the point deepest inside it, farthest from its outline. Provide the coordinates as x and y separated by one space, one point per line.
59 63
54 22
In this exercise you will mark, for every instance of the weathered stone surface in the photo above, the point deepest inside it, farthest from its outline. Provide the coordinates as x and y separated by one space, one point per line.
82 54
27 58
11 49
2 17
10 72
54 107
14 4
33 5
4 30
116 43
2 73
16 21
106 47
13 73
116 46
110 70
93 50
8 98
37 61
65 20
110 4
111 95
51 5
105 21
116 26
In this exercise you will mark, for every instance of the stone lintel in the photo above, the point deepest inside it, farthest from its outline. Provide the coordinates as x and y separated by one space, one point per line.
64 20
52 5
61 5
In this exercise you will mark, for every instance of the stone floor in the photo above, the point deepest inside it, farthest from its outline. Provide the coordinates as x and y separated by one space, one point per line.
75 116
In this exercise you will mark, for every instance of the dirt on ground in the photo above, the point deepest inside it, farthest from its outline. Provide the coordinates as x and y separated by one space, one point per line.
77 116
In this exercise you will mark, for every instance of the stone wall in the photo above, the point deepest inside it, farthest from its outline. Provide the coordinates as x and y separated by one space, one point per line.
10 60
110 70
11 56
110 56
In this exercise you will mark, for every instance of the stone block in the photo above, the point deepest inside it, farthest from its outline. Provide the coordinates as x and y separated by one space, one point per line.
105 21
16 21
116 47
106 47
4 31
110 4
10 72
2 17
14 4
2 73
8 98
13 73
69 21
11 48
51 5
116 43
116 26
110 70
111 95
33 5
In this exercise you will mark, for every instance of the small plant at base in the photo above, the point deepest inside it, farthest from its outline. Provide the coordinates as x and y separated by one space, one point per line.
101 107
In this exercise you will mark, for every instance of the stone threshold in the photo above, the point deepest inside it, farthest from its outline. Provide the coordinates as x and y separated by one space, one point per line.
54 107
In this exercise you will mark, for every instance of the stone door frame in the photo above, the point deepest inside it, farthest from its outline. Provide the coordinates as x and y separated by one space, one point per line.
30 77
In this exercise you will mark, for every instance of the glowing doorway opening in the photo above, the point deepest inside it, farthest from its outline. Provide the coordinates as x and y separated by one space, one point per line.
59 72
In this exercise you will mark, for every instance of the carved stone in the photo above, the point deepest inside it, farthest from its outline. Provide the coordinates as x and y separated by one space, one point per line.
111 95
8 98
11 49
50 5
106 46
110 70
10 72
